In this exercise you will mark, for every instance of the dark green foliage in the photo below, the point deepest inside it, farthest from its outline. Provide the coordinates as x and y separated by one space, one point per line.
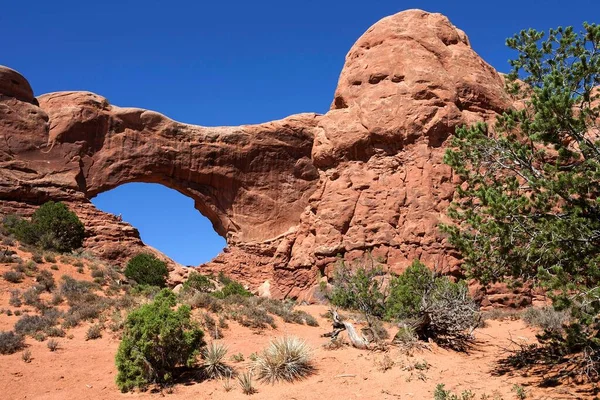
199 282
11 342
52 227
230 288
529 208
146 269
407 290
156 340
358 288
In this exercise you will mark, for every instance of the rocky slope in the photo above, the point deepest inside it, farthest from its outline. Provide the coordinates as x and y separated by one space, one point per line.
290 196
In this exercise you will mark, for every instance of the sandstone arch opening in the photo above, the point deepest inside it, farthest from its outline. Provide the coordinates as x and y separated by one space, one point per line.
166 220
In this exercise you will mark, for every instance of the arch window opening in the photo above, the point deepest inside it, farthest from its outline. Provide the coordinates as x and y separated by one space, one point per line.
166 220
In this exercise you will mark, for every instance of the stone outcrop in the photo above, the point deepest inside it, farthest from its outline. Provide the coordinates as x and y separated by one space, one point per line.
290 196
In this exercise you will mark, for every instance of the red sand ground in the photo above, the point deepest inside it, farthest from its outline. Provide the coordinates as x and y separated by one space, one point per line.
83 369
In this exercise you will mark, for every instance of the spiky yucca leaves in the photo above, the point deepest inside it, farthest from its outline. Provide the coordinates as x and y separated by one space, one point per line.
287 358
245 382
213 366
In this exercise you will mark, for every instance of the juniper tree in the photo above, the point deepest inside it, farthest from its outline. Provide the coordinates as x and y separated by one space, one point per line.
529 205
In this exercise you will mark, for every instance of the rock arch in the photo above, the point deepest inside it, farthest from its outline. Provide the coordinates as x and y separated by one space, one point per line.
288 195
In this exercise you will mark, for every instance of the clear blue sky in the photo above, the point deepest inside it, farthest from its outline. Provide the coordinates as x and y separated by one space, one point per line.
224 63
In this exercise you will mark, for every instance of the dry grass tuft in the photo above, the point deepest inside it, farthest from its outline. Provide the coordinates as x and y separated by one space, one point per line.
286 359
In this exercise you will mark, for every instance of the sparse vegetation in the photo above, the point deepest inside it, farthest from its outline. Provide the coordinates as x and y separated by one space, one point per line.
285 359
53 344
13 276
45 281
546 318
94 332
146 269
245 382
32 324
11 342
15 298
26 356
155 341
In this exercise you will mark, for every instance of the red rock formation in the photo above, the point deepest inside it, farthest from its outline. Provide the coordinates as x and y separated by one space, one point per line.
290 195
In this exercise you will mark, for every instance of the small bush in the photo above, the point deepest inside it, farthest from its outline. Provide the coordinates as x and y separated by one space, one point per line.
73 289
213 366
31 297
56 299
441 393
239 357
210 326
358 289
94 332
440 309
245 382
15 298
286 359
26 356
146 269
53 344
32 324
13 276
52 227
156 340
546 318
49 257
37 258
55 331
11 342
199 282
230 288
54 267
45 281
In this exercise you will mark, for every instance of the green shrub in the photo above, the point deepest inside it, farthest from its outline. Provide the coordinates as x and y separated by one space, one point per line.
156 340
146 269
199 282
407 290
231 289
52 227
11 342
357 288
440 309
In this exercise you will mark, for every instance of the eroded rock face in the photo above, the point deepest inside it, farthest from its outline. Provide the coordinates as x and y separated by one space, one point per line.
290 196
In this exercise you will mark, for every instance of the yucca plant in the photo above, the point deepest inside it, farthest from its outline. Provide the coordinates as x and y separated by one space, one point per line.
245 382
287 358
213 366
